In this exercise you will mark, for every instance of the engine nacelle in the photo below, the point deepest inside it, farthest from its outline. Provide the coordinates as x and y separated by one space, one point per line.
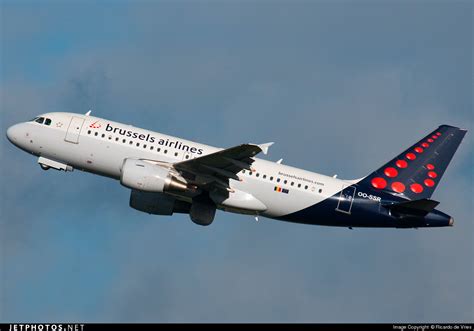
148 177
157 203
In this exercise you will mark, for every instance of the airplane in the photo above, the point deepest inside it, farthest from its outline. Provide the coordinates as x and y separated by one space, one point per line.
169 175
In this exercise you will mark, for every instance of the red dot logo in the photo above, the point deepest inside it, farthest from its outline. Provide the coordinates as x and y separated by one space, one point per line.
390 172
432 174
425 145
411 156
416 188
401 164
418 149
429 182
429 166
95 125
379 182
398 187
438 133
430 140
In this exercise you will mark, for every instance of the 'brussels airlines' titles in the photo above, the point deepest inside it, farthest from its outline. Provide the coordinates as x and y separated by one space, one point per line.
173 144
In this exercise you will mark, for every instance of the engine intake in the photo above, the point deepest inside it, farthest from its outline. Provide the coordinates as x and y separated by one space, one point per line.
145 176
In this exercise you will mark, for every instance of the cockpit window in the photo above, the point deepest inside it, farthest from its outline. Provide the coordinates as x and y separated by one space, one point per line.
47 121
39 120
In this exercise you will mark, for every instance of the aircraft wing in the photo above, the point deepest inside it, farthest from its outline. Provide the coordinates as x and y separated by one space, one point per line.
217 168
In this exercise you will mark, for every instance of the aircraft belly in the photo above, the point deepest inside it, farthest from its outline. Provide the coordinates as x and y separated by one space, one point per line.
280 203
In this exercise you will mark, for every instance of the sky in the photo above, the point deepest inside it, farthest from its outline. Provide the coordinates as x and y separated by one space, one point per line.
339 86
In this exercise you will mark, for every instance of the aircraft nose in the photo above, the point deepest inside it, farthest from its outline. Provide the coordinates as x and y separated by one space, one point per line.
13 133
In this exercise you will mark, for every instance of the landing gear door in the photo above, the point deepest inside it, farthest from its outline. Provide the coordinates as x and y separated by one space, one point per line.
346 199
74 129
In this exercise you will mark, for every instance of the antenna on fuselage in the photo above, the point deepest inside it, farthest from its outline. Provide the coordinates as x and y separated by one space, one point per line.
279 161
89 112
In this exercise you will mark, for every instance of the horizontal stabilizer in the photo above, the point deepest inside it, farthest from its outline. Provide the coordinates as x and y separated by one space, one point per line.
414 207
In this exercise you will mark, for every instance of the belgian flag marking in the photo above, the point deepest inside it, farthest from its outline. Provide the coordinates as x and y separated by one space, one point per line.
280 189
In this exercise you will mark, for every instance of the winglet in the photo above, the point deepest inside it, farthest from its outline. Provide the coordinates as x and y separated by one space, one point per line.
264 147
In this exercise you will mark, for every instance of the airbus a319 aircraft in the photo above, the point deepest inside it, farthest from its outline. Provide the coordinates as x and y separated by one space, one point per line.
169 175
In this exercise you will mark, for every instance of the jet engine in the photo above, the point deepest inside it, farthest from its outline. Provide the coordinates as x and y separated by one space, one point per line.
157 203
148 177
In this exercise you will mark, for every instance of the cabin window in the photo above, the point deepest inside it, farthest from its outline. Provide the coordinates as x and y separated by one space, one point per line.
103 135
124 141
285 181
243 171
320 191
110 137
271 178
116 138
187 156
264 176
250 173
131 142
299 185
166 151
96 134
47 121
278 180
176 154
89 132
151 148
138 144
257 175
144 146
158 149
292 183
306 187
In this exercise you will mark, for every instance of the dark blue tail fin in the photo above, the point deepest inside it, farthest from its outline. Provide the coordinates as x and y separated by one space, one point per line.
416 172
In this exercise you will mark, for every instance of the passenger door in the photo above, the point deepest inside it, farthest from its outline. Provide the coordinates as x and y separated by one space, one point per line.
74 129
346 199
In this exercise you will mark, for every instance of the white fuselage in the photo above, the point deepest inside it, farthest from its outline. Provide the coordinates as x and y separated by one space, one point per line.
100 146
